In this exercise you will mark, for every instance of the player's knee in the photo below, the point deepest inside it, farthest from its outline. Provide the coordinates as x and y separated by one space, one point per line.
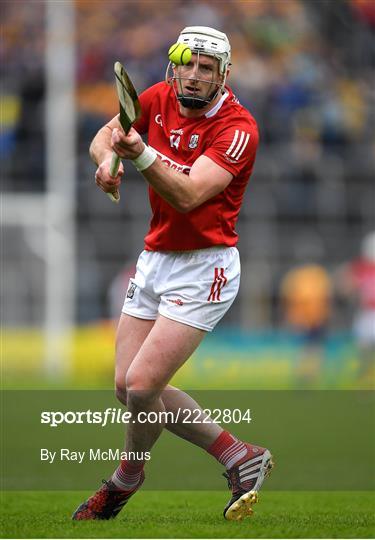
139 393
139 400
120 390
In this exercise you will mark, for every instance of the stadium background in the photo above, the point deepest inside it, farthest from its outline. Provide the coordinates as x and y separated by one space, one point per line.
303 68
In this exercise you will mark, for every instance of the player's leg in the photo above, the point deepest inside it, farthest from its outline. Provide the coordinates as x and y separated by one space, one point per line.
202 432
131 333
107 502
166 348
138 345
246 465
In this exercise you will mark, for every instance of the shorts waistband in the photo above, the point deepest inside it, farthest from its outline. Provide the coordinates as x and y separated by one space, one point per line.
203 251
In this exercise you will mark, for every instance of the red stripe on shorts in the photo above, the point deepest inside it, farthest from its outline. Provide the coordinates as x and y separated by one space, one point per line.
218 283
222 282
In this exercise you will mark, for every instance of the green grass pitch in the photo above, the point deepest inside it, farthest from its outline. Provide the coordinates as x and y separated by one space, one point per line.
193 514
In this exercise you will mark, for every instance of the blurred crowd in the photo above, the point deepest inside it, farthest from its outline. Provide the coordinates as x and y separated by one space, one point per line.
302 67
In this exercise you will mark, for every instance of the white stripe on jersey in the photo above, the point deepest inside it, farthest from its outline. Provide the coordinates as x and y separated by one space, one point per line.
233 143
233 154
244 146
237 148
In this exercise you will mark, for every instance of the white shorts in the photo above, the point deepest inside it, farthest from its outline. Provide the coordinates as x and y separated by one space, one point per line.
194 287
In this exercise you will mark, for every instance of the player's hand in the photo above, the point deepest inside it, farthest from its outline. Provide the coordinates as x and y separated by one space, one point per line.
128 146
104 180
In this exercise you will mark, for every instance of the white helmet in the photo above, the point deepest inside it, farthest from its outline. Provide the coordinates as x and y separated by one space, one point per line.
209 41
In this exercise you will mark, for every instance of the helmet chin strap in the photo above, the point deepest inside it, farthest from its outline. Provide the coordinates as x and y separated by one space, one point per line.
196 102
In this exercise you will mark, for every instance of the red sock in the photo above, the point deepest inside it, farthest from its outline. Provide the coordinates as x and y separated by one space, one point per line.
227 449
128 474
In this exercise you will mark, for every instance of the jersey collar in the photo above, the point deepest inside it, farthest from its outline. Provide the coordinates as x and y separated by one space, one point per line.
218 105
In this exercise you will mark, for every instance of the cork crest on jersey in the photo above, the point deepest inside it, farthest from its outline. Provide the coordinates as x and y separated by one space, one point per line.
194 140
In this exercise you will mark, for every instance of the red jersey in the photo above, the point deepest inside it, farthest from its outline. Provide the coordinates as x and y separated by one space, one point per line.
228 135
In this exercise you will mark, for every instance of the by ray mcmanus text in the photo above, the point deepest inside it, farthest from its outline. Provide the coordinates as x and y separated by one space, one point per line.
92 454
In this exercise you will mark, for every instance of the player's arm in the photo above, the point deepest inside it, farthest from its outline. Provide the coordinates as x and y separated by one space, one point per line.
101 153
101 147
184 192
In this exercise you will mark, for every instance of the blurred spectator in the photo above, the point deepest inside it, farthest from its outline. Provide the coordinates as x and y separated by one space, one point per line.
306 293
30 135
356 280
365 10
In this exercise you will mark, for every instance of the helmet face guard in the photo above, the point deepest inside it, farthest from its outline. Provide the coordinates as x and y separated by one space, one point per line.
203 41
192 78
